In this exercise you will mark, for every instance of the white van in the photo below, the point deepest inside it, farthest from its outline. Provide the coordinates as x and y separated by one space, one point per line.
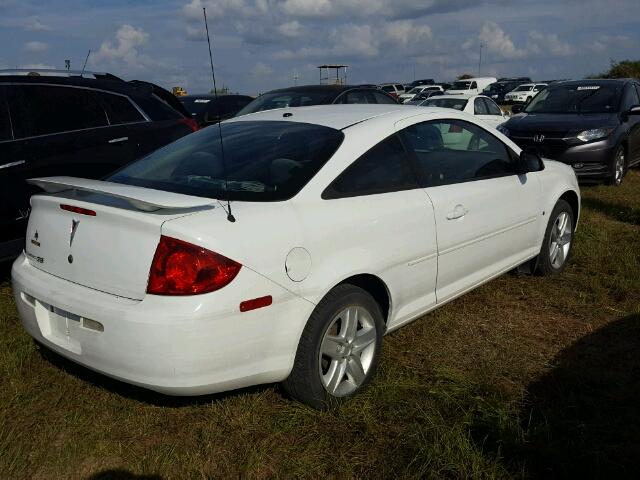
470 86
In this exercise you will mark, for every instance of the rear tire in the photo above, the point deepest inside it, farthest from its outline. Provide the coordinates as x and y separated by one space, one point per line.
558 239
618 167
339 348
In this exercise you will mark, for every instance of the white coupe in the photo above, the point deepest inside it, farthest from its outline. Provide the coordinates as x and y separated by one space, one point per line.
346 223
478 105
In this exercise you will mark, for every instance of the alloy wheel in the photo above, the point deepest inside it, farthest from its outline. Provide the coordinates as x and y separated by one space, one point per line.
619 167
560 240
347 351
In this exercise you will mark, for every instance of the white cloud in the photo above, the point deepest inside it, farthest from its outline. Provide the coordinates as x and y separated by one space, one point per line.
290 29
610 42
35 47
128 40
548 43
35 25
497 41
403 33
261 70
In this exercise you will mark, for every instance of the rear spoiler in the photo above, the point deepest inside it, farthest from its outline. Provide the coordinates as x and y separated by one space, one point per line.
145 199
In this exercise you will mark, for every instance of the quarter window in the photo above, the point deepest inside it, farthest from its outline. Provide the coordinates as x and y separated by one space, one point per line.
42 109
384 168
119 108
454 151
492 108
479 107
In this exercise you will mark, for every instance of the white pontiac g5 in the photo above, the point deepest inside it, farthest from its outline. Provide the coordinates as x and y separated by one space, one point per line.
347 222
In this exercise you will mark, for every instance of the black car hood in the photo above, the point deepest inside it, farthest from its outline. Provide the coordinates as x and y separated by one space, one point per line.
560 122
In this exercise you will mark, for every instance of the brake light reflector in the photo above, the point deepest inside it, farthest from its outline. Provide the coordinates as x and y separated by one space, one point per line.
181 268
80 210
256 303
191 123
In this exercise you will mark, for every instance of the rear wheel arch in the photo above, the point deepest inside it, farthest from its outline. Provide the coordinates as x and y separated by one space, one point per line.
375 287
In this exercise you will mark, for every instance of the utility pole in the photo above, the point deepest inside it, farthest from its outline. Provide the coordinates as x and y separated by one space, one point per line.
480 60
295 78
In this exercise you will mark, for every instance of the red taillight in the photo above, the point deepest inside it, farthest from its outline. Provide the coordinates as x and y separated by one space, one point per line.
191 123
80 210
181 268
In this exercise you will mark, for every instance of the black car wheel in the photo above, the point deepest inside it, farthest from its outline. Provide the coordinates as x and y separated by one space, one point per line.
618 167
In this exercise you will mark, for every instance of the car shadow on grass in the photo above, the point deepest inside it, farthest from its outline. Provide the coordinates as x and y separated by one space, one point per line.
121 475
615 211
582 419
134 392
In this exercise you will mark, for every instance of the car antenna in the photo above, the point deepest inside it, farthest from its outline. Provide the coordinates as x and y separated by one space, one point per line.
85 63
230 216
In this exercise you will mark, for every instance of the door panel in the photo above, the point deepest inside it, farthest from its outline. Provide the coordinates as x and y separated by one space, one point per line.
497 229
486 215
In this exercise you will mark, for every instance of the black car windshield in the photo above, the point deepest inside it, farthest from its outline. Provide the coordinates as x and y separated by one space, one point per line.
455 103
461 86
294 98
575 98
263 161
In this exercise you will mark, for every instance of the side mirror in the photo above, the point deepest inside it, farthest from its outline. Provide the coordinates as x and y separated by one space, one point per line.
516 108
530 162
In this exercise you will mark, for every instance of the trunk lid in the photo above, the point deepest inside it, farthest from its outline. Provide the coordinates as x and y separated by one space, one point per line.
110 246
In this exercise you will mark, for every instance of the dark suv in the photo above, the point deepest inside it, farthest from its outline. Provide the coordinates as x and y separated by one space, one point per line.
82 125
496 91
592 125
208 109
303 96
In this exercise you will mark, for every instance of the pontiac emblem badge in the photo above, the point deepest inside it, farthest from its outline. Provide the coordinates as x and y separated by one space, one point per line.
34 240
72 233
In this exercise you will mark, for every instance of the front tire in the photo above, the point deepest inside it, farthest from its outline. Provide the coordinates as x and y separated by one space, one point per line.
558 240
339 348
618 167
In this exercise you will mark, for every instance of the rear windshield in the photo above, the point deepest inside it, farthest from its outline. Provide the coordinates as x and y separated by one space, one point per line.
263 161
455 103
269 101
461 86
195 105
575 98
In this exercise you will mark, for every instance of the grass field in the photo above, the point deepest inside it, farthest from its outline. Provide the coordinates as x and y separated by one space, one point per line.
526 377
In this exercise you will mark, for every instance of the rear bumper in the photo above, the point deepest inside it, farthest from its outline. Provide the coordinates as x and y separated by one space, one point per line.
188 345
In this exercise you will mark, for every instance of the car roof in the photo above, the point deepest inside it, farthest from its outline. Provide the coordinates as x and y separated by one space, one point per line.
111 84
319 88
595 81
334 116
456 97
212 96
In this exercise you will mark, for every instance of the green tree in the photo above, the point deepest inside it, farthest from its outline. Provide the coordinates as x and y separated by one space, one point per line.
623 69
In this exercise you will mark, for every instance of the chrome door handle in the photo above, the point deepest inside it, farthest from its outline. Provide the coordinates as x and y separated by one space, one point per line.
458 212
12 164
119 139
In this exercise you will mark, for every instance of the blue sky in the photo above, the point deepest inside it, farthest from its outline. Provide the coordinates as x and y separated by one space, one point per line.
261 44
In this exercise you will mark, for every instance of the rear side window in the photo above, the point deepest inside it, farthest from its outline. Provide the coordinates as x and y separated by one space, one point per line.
492 108
157 109
383 99
119 109
479 107
354 96
384 168
43 109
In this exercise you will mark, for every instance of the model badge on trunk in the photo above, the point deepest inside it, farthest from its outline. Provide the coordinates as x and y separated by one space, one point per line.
74 227
34 240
